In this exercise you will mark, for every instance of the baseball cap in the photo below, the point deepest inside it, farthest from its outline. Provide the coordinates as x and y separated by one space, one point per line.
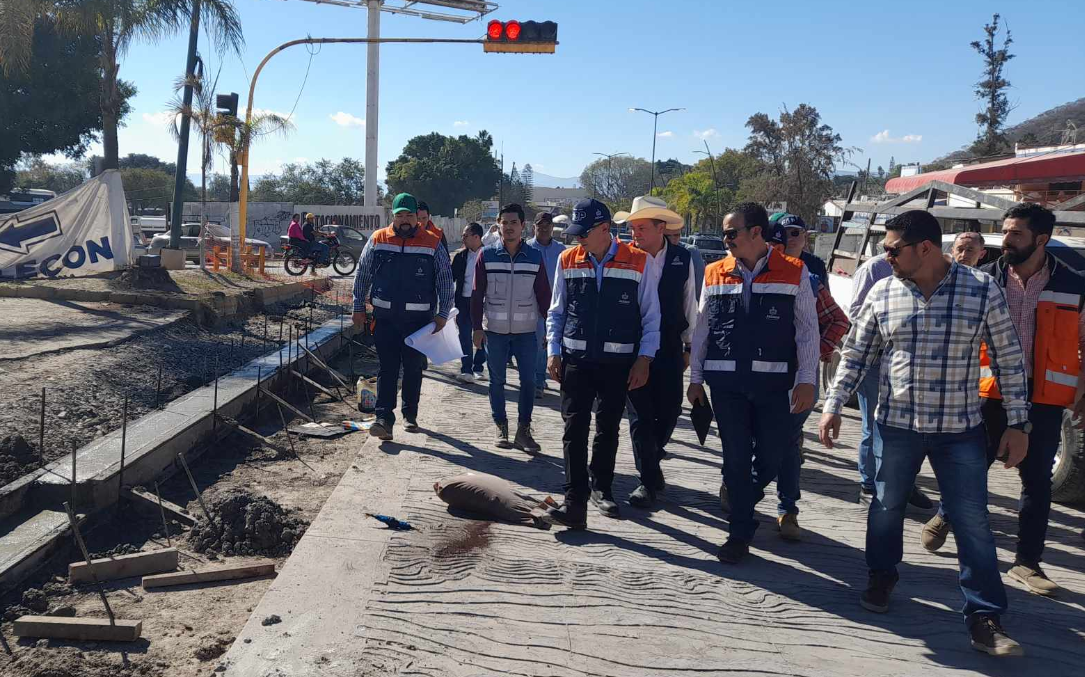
776 234
775 218
543 216
587 214
792 221
404 202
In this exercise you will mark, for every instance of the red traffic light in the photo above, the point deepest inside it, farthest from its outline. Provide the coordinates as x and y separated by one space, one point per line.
495 29
512 30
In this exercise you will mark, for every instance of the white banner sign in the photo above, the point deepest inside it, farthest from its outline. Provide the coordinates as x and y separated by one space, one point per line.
81 232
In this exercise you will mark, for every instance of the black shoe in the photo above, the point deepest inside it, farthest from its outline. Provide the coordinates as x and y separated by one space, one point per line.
642 497
381 429
878 588
410 424
989 637
604 502
571 513
725 502
920 500
733 551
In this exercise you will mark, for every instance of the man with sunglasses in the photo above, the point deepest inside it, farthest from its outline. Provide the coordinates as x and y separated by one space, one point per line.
925 326
756 346
602 334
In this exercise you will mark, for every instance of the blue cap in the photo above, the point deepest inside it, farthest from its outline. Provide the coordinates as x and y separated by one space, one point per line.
792 221
776 233
587 214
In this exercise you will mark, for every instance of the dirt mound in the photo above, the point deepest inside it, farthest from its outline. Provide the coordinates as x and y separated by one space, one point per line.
69 661
243 524
17 458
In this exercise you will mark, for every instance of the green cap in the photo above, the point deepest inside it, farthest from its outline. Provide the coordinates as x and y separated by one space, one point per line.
404 202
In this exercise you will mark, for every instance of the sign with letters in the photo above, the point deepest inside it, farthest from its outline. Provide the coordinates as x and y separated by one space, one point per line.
82 232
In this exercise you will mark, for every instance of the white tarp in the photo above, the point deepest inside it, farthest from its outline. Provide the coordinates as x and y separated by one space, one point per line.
81 232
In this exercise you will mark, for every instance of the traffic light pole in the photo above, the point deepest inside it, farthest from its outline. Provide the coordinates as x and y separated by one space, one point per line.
244 154
181 177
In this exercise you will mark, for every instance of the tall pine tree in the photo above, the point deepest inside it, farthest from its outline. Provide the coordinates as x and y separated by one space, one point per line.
991 90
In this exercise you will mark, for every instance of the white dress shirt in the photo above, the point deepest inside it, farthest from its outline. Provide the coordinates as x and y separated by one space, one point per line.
689 290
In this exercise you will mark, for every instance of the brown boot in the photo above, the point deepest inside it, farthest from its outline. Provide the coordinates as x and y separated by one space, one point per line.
934 533
789 527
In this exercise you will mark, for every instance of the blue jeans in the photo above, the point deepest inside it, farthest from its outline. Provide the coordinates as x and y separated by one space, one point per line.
540 365
787 481
959 461
868 402
388 337
463 325
523 348
753 442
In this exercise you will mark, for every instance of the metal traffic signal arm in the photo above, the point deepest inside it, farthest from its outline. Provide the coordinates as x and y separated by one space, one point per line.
243 198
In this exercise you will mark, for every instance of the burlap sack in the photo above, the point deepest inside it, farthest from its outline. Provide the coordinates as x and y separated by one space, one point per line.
489 497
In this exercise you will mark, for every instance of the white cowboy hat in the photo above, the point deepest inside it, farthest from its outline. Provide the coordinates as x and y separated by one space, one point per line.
560 219
650 207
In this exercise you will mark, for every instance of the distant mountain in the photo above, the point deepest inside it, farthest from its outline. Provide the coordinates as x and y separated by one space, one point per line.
547 181
1041 130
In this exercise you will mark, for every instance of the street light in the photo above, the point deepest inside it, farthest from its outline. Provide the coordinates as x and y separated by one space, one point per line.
610 171
655 130
715 184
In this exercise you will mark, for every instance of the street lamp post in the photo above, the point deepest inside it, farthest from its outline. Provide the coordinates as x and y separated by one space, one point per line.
610 171
655 130
715 184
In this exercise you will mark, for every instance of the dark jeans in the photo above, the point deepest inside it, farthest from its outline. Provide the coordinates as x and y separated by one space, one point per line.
959 461
868 402
463 325
503 346
582 386
393 353
653 413
754 434
787 480
1034 506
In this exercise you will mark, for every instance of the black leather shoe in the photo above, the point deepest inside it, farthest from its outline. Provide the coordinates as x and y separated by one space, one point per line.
733 551
604 501
878 589
410 425
381 429
571 513
642 497
920 500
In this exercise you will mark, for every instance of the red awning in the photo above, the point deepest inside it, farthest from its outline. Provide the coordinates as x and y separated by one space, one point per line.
1042 168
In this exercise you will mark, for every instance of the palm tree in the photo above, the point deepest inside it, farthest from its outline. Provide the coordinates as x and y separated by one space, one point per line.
234 136
116 24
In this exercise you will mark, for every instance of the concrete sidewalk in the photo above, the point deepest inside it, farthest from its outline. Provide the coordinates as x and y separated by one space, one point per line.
643 596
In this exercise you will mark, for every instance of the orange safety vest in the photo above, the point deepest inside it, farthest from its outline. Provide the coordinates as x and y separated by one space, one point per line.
1055 360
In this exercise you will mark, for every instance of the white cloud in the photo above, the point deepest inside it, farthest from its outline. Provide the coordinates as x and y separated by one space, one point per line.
159 119
461 123
347 120
706 134
883 137
665 135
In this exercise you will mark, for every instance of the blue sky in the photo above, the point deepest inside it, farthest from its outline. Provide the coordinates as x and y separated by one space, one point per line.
895 80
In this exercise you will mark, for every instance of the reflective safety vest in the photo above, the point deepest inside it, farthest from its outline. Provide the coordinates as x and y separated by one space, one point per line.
754 349
404 275
602 324
1055 360
432 227
509 306
672 288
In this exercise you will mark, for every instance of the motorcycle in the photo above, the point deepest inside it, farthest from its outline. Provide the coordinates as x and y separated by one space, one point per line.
296 262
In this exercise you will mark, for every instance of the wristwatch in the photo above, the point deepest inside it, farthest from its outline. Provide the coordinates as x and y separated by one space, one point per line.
1025 427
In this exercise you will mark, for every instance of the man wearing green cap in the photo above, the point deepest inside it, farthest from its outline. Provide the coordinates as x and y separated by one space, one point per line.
407 276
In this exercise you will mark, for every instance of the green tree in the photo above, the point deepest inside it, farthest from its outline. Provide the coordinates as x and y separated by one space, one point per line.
37 112
471 210
798 156
218 190
36 173
991 90
445 171
322 182
234 135
617 180
115 24
153 187
692 195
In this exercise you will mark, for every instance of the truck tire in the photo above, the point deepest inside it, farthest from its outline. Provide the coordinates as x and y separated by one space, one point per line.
1068 476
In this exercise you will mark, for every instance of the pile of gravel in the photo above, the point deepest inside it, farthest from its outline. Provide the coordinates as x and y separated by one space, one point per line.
244 524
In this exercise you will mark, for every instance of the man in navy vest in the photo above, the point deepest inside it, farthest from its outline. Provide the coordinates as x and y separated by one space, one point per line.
756 346
511 294
602 331
654 409
405 271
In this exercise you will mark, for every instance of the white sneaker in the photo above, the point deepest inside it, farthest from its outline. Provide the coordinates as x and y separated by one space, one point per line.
480 376
466 378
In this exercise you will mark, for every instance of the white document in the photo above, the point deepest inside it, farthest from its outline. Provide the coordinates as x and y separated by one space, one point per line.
444 346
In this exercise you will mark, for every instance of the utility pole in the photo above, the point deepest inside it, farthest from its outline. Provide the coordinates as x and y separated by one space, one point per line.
372 94
715 184
186 120
655 130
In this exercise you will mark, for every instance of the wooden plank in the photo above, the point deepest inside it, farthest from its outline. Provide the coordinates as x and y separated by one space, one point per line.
1072 203
248 432
316 385
112 568
264 568
907 197
85 629
334 374
151 501
286 404
972 194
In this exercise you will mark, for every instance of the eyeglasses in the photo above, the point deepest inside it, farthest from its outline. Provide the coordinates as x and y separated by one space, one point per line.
732 233
894 252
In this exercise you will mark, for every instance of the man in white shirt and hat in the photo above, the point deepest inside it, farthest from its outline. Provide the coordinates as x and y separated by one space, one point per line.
654 409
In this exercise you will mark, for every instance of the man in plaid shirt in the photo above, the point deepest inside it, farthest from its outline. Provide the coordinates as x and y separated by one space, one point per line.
925 325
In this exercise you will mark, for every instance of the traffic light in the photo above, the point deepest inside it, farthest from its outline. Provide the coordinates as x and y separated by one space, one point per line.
521 37
226 104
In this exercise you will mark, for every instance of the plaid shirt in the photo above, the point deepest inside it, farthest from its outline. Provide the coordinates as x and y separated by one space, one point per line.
833 324
929 353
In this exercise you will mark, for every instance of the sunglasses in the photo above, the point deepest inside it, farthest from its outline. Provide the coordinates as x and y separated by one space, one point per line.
732 233
795 232
894 252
